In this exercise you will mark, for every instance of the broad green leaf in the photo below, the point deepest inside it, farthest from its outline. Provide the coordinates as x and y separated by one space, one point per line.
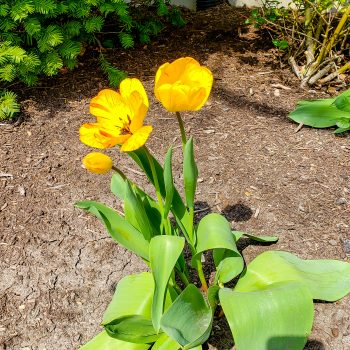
178 207
263 239
342 102
343 123
103 341
118 186
278 316
168 181
326 279
164 252
133 296
190 172
119 229
135 213
340 130
237 235
133 329
189 319
317 115
164 342
214 232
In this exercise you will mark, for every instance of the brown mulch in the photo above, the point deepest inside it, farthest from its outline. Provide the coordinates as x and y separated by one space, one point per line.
58 265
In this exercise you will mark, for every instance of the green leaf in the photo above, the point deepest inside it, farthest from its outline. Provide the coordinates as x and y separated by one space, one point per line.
118 187
190 173
164 342
164 252
318 114
134 329
343 123
326 279
168 182
342 102
135 212
263 239
133 296
119 229
178 207
103 341
275 317
214 232
213 296
189 319
94 24
128 316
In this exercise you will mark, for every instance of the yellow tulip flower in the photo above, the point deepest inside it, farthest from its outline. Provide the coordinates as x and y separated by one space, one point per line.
183 85
120 117
97 163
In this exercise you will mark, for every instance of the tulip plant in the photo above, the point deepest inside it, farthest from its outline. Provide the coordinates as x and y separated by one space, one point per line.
271 303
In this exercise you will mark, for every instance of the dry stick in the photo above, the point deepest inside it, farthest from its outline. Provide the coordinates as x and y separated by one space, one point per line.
294 66
321 73
309 53
335 74
335 35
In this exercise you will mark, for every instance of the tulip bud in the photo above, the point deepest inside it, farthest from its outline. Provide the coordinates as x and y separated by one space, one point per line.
97 163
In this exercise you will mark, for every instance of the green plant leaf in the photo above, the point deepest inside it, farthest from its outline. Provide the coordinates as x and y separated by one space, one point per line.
103 341
134 329
189 319
275 317
178 207
119 229
342 102
128 316
263 239
164 342
135 212
326 279
318 114
168 182
133 296
214 232
190 173
118 186
164 252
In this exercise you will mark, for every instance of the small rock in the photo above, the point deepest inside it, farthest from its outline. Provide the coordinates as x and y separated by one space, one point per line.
21 190
346 246
277 93
21 307
341 201
333 242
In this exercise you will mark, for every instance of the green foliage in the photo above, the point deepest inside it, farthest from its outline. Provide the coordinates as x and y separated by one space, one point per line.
268 303
8 104
312 34
324 113
40 37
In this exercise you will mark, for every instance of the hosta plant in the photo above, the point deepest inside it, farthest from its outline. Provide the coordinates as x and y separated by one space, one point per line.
270 305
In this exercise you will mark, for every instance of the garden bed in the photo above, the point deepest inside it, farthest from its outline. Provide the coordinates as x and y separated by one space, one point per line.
59 266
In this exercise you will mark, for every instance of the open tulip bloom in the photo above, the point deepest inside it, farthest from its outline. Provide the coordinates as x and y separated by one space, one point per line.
119 118
270 305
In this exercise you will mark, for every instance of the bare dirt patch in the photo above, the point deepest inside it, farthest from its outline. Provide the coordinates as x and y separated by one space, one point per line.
58 265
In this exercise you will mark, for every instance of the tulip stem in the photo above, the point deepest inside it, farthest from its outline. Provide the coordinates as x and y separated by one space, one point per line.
164 224
182 130
201 275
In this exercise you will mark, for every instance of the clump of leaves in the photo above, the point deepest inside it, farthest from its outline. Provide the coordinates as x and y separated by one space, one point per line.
324 113
313 33
268 303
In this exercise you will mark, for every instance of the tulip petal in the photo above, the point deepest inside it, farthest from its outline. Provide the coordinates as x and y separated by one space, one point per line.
174 97
139 111
129 86
92 135
109 108
137 140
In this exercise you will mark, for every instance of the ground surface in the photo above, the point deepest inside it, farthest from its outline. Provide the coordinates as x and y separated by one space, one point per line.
59 267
